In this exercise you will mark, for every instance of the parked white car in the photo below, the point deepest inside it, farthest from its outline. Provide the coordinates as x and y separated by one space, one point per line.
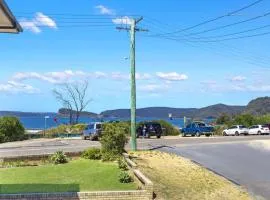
259 130
236 130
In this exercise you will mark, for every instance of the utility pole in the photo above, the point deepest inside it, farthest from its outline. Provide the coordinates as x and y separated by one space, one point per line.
133 29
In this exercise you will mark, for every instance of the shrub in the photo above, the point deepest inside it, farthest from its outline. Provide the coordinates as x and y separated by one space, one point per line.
109 156
122 164
124 177
59 158
11 129
218 130
113 139
92 154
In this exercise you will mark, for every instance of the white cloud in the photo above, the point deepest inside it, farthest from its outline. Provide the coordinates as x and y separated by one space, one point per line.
238 78
153 87
119 76
172 76
40 20
51 77
143 76
29 25
44 20
105 10
15 87
122 20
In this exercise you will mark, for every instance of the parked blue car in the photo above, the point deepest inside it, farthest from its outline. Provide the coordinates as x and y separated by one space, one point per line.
197 129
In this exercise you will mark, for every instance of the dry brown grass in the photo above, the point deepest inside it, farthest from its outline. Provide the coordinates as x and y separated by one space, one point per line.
178 178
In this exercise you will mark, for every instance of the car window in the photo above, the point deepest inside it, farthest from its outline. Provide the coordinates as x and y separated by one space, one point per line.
90 126
242 126
201 125
264 126
188 126
98 126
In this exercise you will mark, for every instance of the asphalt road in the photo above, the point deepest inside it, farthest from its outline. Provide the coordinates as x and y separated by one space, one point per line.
245 163
49 146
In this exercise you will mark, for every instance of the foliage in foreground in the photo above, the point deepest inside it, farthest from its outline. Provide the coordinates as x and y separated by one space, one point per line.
113 141
92 154
11 129
59 157
122 164
124 177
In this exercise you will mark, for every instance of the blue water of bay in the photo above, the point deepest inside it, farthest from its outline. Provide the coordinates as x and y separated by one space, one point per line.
39 122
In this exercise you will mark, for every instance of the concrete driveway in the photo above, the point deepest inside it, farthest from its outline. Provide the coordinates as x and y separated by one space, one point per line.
246 163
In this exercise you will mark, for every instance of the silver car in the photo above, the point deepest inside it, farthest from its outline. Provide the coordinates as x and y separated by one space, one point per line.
92 131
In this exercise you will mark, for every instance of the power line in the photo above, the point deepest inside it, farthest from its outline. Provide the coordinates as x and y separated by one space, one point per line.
229 25
214 19
235 33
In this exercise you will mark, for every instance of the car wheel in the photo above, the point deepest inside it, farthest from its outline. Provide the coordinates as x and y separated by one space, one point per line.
236 133
198 134
158 136
224 133
183 135
259 132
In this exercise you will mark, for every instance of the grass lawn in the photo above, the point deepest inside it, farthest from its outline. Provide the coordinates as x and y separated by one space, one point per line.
77 175
177 178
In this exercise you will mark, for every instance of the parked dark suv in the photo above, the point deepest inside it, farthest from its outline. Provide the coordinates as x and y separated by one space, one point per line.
148 129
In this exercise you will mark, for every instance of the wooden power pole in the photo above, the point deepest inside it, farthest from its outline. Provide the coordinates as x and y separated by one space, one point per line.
132 30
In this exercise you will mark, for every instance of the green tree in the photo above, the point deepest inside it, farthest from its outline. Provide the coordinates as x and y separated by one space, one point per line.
223 119
11 129
245 119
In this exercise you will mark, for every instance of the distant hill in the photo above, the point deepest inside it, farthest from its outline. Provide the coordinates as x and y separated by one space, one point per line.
65 112
258 106
163 112
26 114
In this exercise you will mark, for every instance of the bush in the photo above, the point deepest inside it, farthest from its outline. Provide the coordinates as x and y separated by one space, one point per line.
109 156
113 139
92 154
122 164
218 130
59 158
11 129
124 177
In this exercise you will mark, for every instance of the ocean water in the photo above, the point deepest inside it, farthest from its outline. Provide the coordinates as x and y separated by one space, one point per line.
39 122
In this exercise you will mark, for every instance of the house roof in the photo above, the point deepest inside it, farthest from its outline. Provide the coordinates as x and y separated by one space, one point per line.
8 23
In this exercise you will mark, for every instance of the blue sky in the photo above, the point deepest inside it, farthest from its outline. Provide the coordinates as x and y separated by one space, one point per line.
59 46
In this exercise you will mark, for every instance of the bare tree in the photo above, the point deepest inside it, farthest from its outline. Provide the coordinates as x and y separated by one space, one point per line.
73 97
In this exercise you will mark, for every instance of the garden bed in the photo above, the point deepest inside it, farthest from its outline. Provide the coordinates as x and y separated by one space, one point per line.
75 176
